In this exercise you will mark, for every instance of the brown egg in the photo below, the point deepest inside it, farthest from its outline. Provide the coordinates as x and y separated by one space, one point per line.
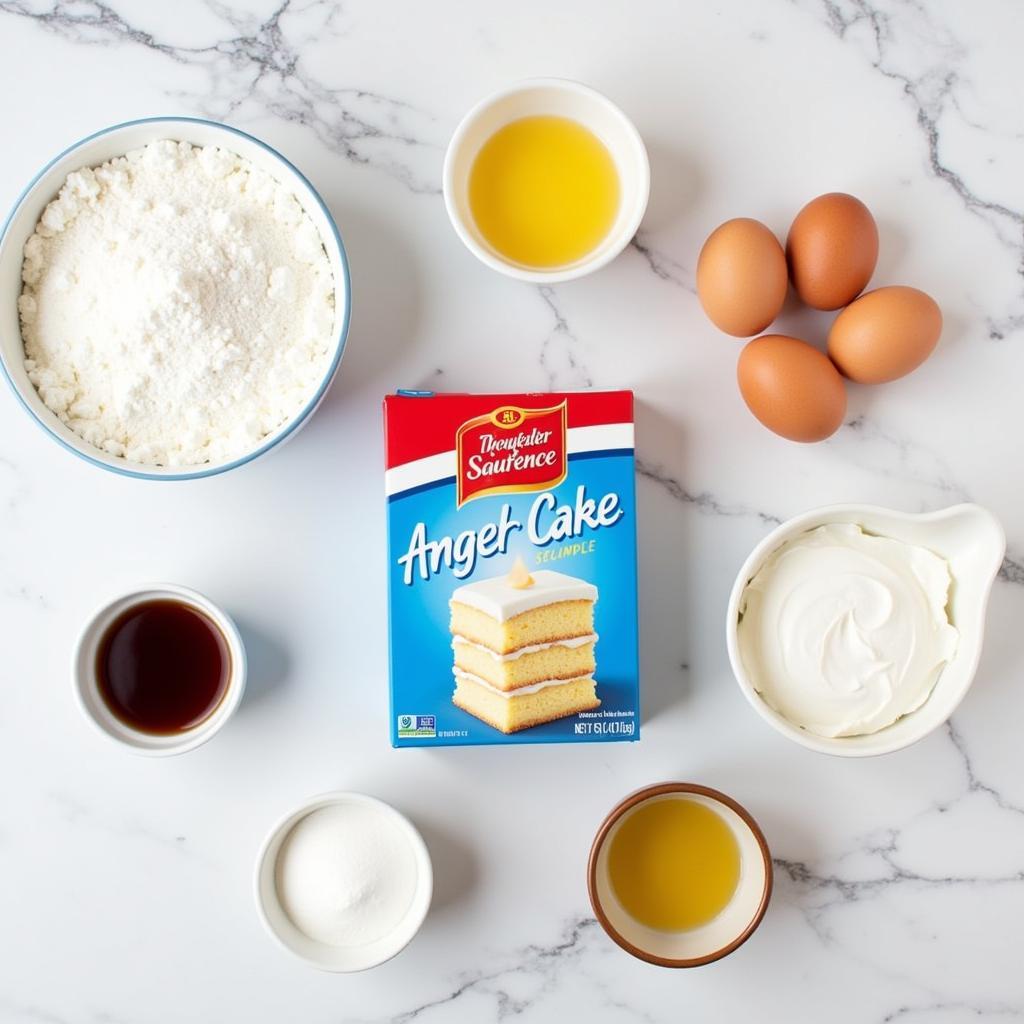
832 249
791 387
885 334
741 277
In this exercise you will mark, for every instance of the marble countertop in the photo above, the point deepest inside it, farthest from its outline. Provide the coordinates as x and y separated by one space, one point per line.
127 892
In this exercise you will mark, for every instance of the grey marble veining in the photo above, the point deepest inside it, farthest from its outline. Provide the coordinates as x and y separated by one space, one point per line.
560 356
702 501
934 89
899 881
520 981
256 65
662 265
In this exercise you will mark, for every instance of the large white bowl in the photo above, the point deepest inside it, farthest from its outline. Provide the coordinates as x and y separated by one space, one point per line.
96 149
973 543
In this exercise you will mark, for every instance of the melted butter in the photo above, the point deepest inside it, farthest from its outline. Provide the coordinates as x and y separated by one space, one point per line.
543 191
673 864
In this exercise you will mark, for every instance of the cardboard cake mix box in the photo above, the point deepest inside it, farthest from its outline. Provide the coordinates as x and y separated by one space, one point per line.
511 524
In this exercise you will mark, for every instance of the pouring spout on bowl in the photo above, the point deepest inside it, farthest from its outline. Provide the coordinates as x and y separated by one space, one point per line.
975 529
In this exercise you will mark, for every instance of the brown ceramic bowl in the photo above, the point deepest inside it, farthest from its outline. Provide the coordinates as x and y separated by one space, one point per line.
719 937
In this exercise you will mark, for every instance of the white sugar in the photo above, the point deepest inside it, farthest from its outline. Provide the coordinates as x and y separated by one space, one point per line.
346 875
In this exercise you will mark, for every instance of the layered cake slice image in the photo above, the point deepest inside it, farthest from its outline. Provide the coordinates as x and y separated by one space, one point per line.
524 648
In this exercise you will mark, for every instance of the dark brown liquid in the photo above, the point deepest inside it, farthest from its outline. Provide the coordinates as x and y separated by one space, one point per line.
162 667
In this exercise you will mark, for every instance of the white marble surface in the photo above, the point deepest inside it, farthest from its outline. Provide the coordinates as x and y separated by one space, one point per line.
126 893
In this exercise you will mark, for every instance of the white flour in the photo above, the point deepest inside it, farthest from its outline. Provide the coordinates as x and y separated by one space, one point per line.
178 305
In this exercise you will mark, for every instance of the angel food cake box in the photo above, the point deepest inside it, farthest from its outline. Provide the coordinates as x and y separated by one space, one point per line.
511 525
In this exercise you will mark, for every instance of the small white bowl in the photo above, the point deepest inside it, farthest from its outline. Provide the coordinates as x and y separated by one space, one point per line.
94 150
562 98
968 537
348 959
722 935
95 708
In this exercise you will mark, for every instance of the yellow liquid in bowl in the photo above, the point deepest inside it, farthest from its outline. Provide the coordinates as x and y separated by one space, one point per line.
543 192
673 864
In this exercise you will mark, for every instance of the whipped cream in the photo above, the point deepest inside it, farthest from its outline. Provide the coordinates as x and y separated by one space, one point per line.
571 642
519 691
843 632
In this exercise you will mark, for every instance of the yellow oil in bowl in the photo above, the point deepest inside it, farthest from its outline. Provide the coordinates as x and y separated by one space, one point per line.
543 192
673 864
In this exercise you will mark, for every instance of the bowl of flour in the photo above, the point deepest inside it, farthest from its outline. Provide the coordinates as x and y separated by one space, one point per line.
174 298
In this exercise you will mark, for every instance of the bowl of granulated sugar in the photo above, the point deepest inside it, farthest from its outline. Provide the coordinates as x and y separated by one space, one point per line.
344 882
174 298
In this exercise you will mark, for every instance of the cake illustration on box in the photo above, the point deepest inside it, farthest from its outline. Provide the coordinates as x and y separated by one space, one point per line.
524 648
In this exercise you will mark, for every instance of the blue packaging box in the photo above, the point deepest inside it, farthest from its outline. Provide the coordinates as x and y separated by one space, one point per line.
511 523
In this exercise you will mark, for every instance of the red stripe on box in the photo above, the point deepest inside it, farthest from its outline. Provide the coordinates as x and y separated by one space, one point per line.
416 427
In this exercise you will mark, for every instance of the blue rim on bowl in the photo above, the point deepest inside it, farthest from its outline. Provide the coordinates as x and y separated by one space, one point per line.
341 288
